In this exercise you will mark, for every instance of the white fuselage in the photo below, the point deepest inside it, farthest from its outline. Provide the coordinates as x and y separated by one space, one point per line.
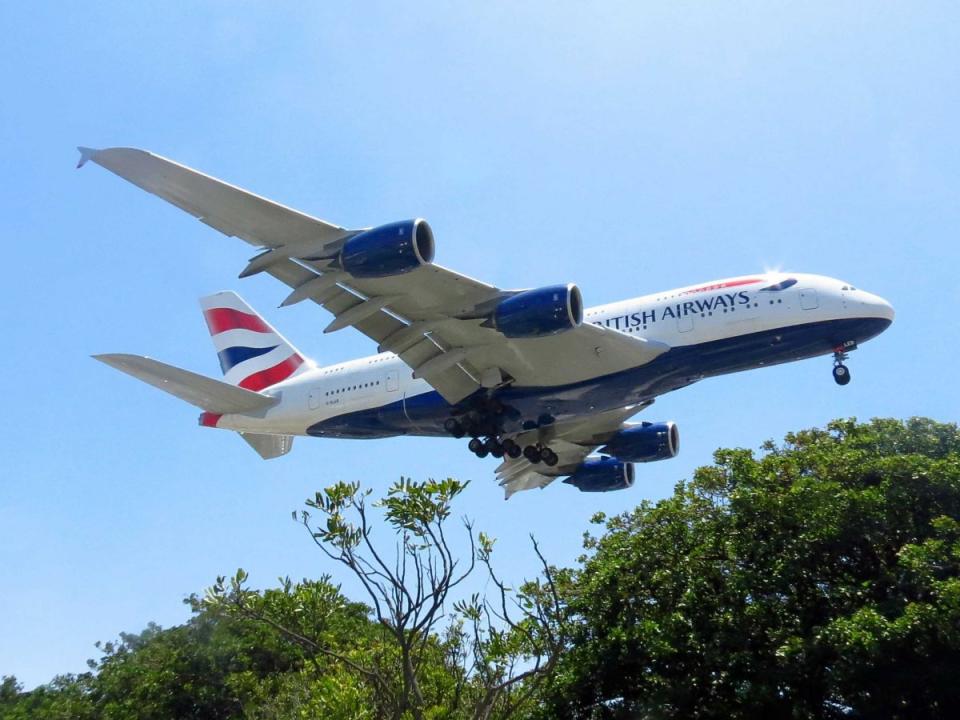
691 316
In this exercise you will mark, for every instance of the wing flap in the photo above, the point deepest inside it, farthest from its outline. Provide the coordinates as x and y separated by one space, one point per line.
205 393
453 384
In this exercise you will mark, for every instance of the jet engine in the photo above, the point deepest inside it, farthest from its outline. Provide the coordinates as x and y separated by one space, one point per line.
539 312
602 475
390 249
645 442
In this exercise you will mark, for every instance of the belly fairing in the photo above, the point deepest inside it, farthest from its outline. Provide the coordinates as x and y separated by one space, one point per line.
424 414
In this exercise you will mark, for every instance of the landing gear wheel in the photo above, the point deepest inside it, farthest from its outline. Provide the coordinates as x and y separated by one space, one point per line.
549 457
512 449
841 374
532 453
453 426
475 445
482 453
493 446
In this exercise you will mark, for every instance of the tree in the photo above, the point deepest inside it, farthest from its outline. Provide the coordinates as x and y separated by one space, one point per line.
66 697
214 666
487 661
820 579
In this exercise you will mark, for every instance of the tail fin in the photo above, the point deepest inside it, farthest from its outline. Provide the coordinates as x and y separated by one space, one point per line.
252 354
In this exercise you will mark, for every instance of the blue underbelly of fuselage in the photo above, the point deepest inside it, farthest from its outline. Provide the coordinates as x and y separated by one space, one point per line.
424 414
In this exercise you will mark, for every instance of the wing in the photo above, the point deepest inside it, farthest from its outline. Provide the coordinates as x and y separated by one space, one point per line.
423 316
572 441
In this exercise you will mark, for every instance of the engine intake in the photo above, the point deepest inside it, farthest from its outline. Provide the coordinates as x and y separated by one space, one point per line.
602 475
391 249
539 312
646 442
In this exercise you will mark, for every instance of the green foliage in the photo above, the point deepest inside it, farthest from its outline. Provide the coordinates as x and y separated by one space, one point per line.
214 666
411 665
821 579
817 579
64 698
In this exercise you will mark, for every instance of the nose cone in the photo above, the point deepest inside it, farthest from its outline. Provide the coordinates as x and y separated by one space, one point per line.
876 306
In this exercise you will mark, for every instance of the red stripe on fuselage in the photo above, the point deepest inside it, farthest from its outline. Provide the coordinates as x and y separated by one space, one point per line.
222 319
721 286
272 375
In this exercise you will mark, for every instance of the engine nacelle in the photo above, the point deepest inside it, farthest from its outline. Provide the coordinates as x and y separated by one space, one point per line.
390 249
539 312
602 475
645 443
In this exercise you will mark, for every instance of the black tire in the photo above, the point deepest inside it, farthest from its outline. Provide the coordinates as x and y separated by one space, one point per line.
513 450
453 426
475 445
841 374
532 453
549 457
482 453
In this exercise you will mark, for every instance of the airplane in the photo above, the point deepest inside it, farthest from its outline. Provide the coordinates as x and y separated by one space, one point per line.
530 376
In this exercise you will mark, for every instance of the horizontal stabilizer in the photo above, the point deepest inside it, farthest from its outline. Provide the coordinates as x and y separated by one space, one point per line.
206 393
269 446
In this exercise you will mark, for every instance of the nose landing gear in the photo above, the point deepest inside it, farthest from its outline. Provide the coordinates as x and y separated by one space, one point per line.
841 374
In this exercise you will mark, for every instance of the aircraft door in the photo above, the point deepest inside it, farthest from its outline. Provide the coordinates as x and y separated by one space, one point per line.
685 323
393 381
808 299
315 399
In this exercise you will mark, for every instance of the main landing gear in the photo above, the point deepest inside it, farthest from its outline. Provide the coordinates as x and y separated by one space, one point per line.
508 447
841 374
484 425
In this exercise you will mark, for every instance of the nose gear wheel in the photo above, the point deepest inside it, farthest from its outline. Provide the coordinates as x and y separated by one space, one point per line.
841 373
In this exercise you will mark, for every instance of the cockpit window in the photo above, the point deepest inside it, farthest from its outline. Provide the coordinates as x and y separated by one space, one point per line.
782 285
848 287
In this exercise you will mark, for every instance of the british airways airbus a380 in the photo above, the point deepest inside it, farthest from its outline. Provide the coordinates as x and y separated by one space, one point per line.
529 376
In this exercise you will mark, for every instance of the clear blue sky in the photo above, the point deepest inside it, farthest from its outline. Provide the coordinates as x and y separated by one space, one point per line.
628 147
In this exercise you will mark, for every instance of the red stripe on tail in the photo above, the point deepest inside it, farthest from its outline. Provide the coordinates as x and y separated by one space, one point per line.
222 319
272 375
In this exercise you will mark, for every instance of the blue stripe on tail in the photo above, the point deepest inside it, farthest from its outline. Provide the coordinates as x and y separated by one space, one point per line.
231 356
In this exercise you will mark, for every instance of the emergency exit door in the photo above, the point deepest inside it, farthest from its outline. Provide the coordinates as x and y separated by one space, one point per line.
393 381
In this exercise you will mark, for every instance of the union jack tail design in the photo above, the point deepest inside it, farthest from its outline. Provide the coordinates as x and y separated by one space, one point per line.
252 354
